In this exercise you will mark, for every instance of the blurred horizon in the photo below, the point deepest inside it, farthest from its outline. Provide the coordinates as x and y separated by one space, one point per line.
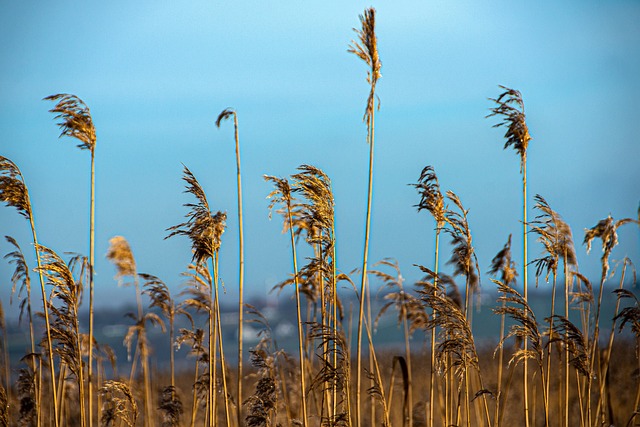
157 74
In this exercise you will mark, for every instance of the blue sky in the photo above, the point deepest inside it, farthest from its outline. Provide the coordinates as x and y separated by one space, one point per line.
156 75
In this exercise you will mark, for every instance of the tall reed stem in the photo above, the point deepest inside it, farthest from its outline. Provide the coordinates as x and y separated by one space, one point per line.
525 285
92 215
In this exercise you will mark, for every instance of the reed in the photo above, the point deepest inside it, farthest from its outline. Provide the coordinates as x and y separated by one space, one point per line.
366 48
14 193
510 108
431 200
224 115
75 121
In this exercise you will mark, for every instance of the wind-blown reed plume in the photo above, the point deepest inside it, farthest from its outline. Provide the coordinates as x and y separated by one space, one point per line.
526 326
203 228
65 327
629 315
510 109
21 277
160 297
504 265
14 193
74 120
463 257
121 256
226 114
573 339
431 198
366 48
118 404
607 231
556 237
13 190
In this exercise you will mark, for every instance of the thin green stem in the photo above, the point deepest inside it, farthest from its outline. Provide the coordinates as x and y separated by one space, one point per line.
303 389
92 216
240 273
363 283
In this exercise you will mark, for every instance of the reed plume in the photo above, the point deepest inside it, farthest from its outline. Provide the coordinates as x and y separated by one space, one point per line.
21 277
510 108
14 193
366 48
119 404
74 120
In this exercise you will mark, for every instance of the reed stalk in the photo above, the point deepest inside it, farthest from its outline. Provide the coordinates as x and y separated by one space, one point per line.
282 195
517 135
367 50
502 264
14 192
76 122
224 115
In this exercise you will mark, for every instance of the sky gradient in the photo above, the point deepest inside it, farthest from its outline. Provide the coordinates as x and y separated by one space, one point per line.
156 75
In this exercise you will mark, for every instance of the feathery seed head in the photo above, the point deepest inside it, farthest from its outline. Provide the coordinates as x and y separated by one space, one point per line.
510 107
366 48
502 263
120 254
13 190
556 237
75 119
430 196
203 228
607 231
225 115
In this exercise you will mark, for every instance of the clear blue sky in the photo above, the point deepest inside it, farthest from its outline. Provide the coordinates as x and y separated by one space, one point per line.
156 74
